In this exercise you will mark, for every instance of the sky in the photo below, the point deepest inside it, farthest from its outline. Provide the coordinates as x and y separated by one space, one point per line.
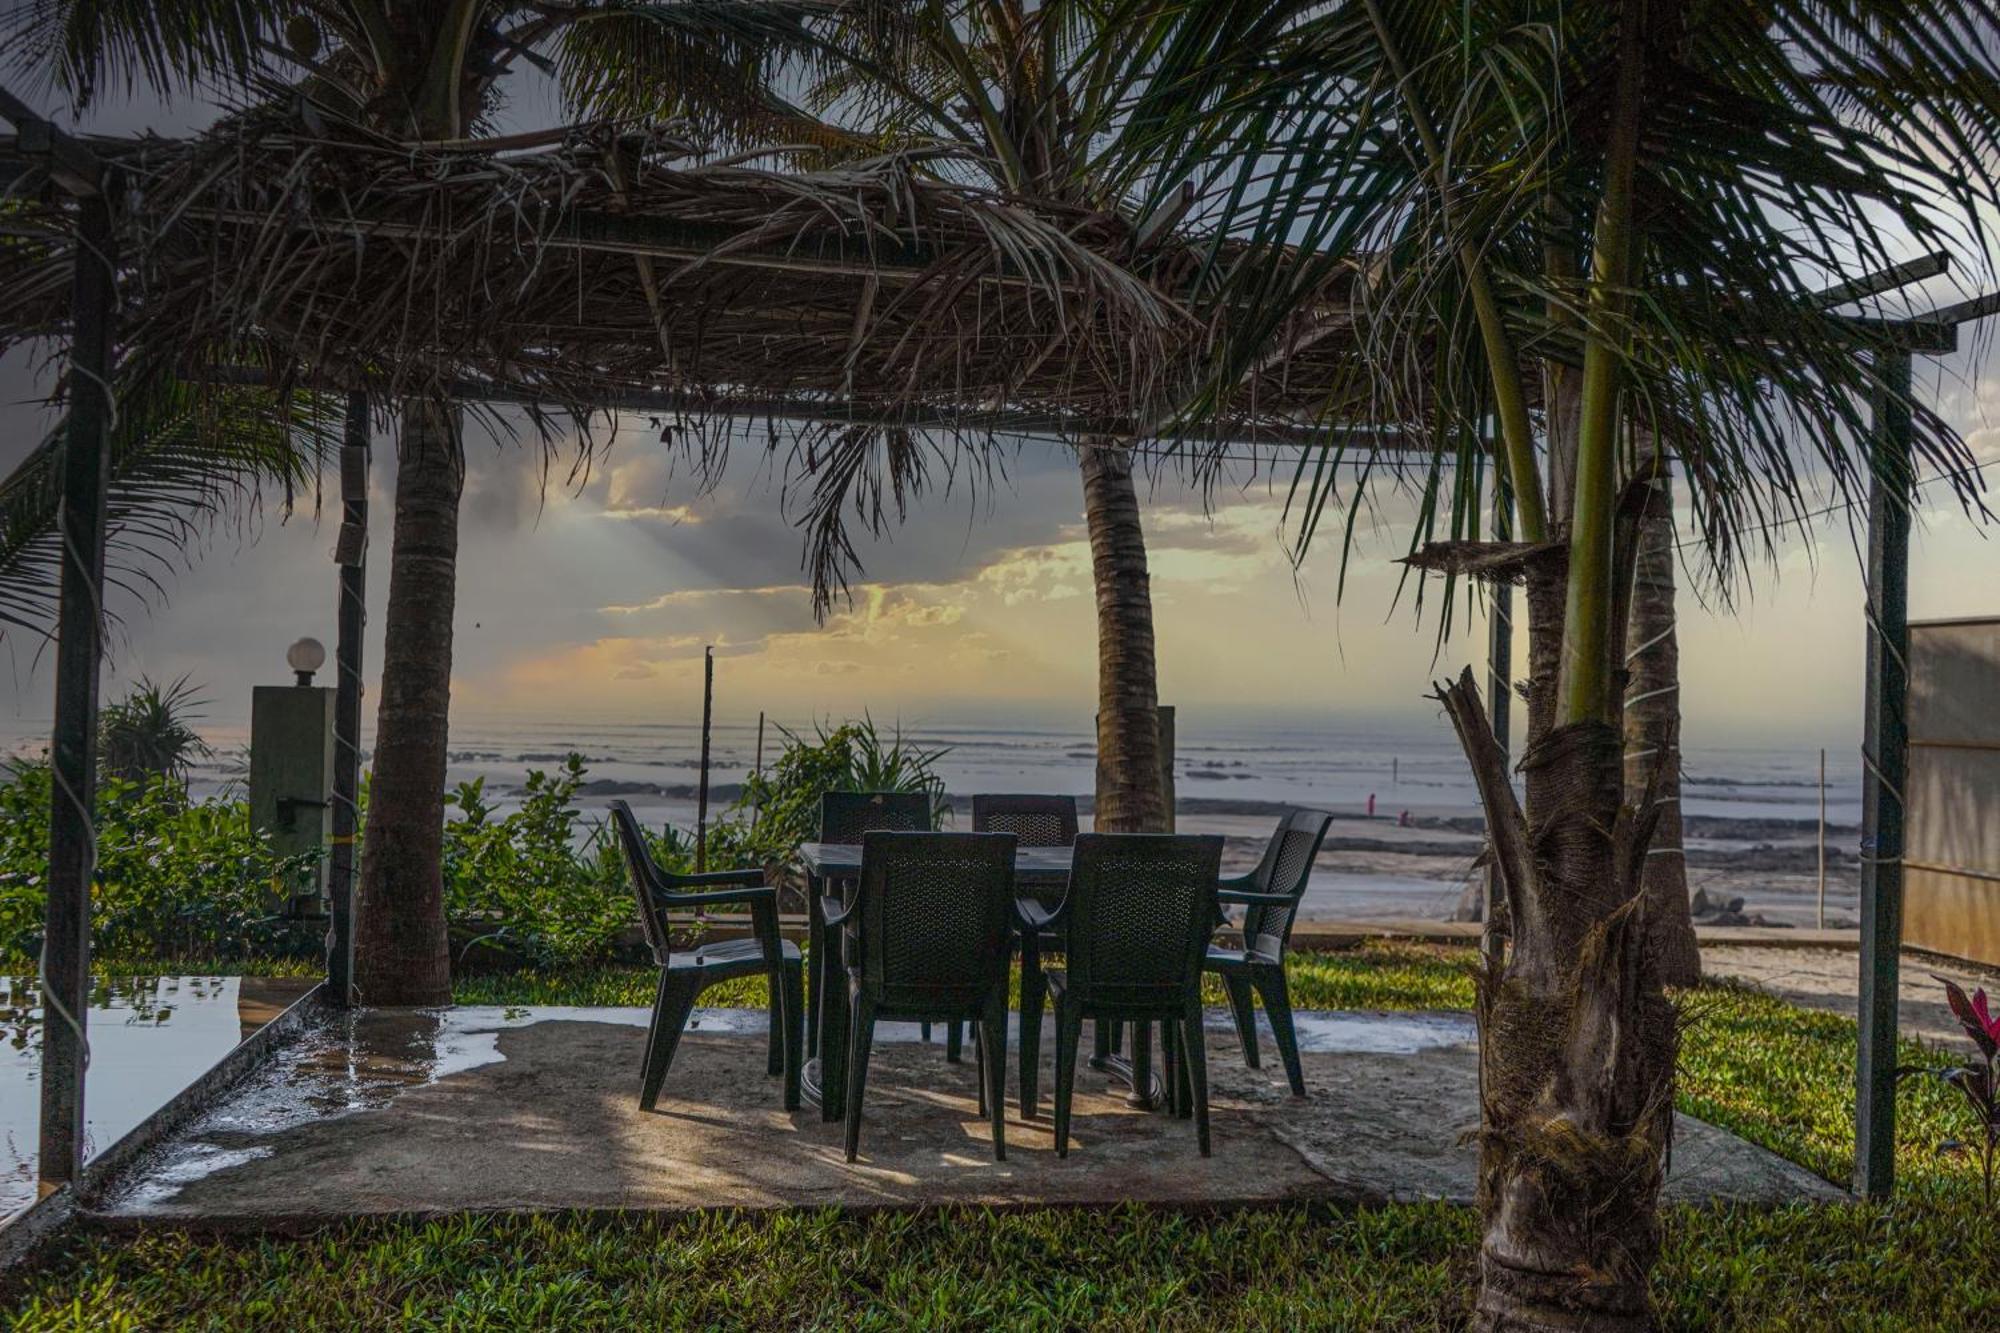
592 595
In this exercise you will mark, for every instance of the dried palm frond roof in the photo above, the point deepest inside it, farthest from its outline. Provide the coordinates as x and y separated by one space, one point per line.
608 265
605 261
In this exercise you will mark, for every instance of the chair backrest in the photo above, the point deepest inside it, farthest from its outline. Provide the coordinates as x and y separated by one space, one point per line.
935 911
644 876
1286 868
1037 821
845 815
1141 910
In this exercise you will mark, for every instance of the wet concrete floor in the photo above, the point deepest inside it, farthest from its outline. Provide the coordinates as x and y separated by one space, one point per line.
479 1109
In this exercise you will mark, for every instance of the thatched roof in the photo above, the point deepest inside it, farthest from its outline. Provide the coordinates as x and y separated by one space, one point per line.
603 262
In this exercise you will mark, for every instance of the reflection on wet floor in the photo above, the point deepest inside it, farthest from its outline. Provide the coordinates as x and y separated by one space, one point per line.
149 1038
363 1060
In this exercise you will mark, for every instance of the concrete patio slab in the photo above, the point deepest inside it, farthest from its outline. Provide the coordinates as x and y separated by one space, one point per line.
487 1109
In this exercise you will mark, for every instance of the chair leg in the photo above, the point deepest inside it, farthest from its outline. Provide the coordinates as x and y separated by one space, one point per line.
671 1006
1103 1044
1173 1056
815 962
833 1053
1197 1066
795 1031
954 1042
1270 982
1244 1009
1142 1060
774 1055
860 1039
1034 992
993 1061
1069 1035
978 1060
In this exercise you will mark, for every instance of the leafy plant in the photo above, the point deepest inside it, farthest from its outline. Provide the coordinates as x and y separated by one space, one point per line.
173 880
779 810
150 733
1974 1078
540 881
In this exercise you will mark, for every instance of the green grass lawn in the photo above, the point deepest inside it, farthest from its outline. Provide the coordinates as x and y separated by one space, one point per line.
1777 1074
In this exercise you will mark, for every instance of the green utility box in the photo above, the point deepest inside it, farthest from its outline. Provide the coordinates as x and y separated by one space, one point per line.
291 778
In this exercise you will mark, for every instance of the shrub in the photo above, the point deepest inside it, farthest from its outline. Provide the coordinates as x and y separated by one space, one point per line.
174 879
538 882
779 810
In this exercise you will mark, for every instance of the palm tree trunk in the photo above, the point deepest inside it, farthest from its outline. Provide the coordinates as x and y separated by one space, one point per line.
1129 794
1652 738
402 953
1577 1040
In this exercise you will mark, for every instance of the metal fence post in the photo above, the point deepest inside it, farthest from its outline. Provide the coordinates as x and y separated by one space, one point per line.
351 553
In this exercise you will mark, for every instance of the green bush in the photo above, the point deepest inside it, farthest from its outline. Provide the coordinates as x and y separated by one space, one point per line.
539 882
779 810
174 879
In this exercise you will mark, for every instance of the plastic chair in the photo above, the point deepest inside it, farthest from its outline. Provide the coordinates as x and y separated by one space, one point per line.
1270 895
1035 821
686 974
1135 924
928 936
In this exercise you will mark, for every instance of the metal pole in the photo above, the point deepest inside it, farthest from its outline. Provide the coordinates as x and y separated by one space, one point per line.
701 803
757 811
1500 707
1883 754
65 969
1822 837
351 552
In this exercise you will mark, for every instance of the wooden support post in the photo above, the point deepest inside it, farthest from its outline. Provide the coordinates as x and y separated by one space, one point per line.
351 552
701 803
1884 751
1499 708
65 970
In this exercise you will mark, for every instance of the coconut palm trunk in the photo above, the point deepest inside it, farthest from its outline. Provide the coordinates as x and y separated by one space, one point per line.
402 954
1130 798
1652 736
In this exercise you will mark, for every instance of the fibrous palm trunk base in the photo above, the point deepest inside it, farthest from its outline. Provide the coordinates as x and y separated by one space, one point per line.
1577 1038
402 952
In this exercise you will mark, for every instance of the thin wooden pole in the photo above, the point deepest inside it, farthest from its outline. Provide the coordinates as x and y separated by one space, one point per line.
1499 705
701 802
1822 837
1884 746
65 967
351 552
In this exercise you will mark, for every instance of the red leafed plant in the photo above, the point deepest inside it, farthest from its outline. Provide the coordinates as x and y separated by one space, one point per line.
1975 1079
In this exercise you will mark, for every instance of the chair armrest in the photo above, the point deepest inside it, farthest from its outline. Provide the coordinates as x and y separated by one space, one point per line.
1256 899
753 894
748 878
835 912
1033 916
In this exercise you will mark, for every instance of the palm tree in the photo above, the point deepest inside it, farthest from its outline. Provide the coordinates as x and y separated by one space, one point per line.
1588 226
1030 97
423 70
150 733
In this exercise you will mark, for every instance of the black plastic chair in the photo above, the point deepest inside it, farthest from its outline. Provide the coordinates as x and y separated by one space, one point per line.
928 935
685 975
1135 924
1270 895
844 817
1035 821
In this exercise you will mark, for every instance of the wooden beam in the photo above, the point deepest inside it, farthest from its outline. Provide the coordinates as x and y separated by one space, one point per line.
1883 752
65 970
351 618
1883 280
70 164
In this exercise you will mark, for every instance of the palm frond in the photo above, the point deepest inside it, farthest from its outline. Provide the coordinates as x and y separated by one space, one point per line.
182 457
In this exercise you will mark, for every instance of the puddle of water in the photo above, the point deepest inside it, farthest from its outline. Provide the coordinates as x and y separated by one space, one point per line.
149 1038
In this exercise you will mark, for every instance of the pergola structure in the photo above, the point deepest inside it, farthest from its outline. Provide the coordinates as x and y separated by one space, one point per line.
593 269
